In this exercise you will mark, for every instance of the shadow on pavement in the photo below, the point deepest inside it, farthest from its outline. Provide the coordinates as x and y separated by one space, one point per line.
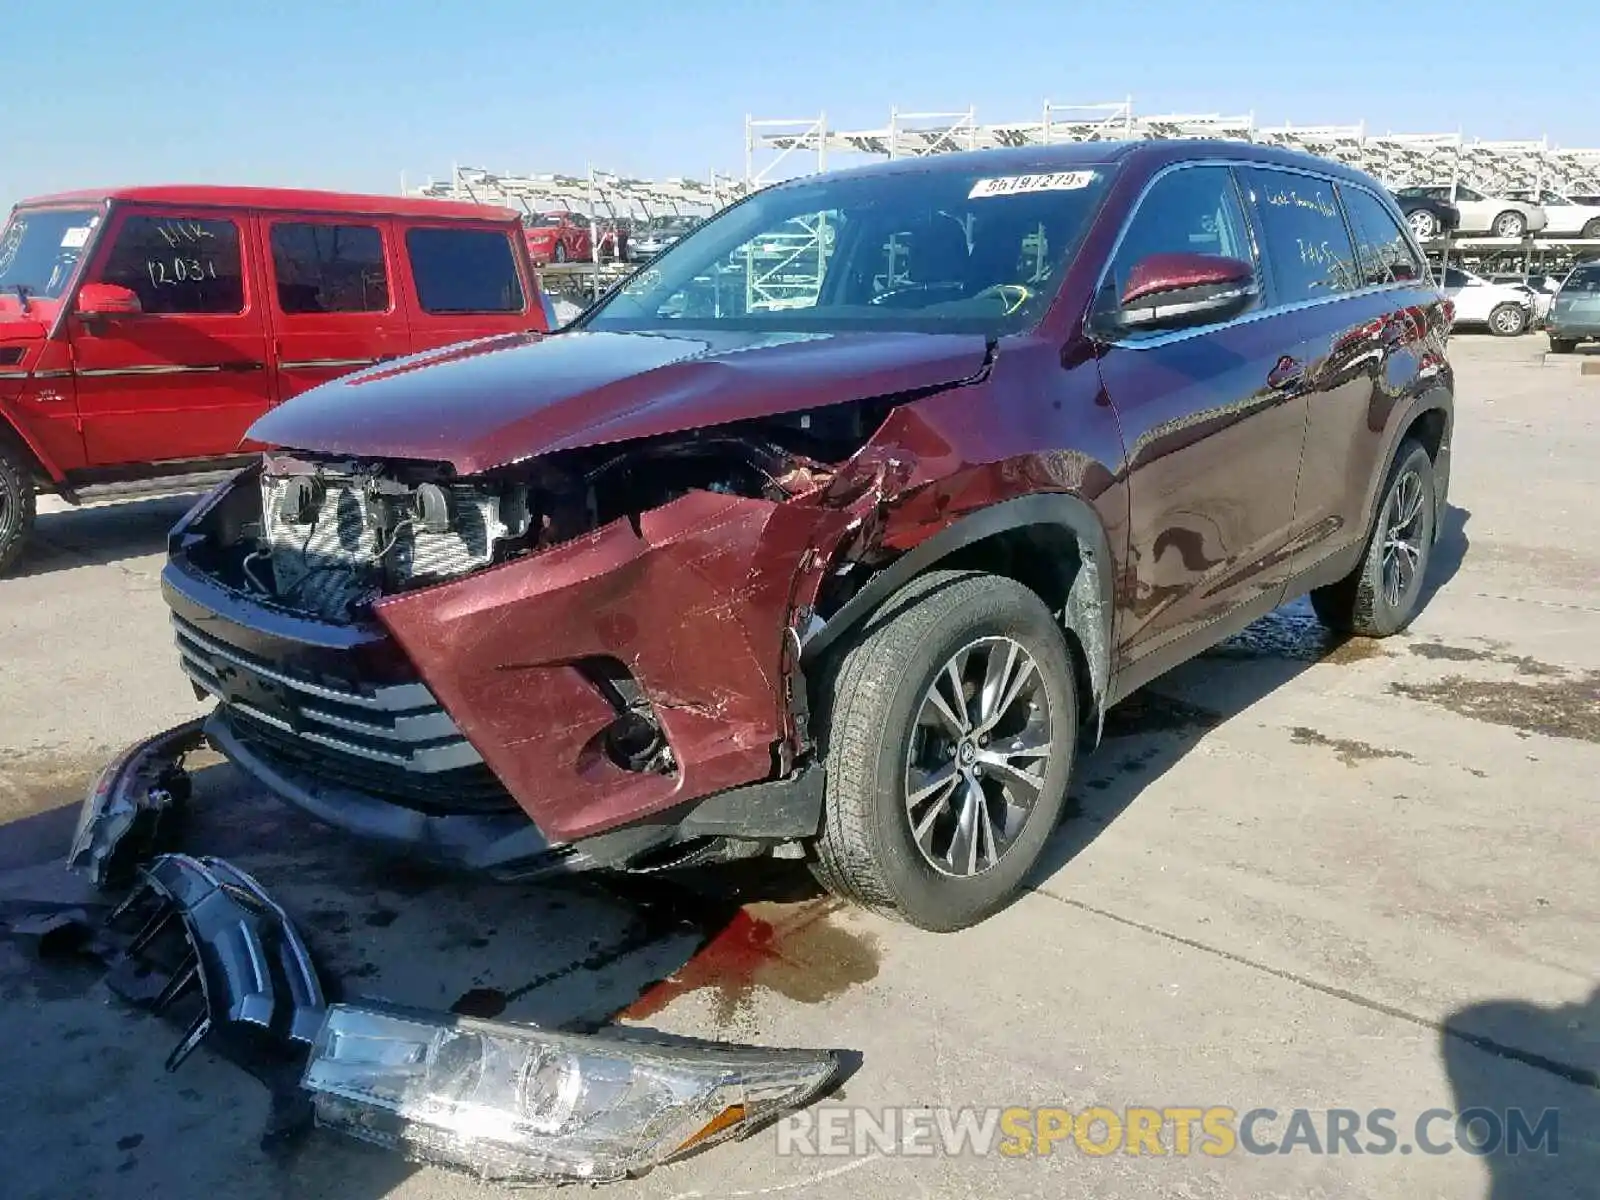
100 534
1152 730
1518 1069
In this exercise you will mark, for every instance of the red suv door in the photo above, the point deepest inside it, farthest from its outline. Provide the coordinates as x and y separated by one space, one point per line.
333 307
186 376
464 281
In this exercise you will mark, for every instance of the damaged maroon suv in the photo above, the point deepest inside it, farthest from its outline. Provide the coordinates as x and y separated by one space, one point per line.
830 533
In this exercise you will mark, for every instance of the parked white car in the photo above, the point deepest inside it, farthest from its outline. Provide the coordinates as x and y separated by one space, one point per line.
1506 309
1567 217
1498 216
1542 288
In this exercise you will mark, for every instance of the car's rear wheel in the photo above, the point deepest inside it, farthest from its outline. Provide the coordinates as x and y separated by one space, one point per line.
17 506
1592 229
1381 595
1424 224
1508 320
1563 345
951 729
1510 224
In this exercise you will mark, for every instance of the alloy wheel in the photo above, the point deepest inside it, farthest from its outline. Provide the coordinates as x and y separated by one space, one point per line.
1508 320
980 748
1421 223
1509 225
1403 531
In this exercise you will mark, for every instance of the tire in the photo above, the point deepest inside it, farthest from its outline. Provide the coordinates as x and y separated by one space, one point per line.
1563 345
560 255
18 506
1592 229
1509 224
1424 224
882 725
1360 603
1508 320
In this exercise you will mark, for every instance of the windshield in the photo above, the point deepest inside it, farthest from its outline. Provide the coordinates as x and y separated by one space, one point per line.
40 249
1583 279
547 220
933 251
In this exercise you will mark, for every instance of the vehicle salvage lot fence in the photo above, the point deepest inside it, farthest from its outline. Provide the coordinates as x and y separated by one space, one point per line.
1338 878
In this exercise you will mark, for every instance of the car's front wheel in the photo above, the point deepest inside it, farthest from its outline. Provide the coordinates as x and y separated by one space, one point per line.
1508 320
1592 229
950 735
1380 597
17 506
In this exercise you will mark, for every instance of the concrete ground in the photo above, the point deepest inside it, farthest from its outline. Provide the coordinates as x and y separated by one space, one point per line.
1298 875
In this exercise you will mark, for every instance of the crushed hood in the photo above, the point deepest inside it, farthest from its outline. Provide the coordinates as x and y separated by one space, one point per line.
498 400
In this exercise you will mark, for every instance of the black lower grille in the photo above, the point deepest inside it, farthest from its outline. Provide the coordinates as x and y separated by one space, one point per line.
473 789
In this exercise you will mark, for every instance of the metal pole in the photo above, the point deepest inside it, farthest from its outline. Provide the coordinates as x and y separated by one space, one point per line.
822 142
594 239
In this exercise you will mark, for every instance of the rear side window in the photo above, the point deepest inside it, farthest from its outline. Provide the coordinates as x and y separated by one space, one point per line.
1584 279
178 264
1383 250
329 268
1308 248
1194 210
464 271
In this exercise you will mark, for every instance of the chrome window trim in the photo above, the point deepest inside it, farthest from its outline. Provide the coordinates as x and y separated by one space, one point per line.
1266 310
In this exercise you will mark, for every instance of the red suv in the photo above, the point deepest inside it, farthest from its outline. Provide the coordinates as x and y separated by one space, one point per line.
142 331
829 533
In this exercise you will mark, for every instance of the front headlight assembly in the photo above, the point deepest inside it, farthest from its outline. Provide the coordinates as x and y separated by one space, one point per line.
517 1104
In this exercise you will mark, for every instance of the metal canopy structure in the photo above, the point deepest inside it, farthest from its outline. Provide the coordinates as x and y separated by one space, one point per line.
599 193
774 149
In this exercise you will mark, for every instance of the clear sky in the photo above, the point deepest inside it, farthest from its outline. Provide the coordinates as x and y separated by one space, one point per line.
351 93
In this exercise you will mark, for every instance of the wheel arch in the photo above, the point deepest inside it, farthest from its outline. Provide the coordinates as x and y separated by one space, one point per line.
1430 420
15 438
1052 543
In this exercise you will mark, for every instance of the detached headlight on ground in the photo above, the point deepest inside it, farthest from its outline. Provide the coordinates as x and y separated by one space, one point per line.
510 1102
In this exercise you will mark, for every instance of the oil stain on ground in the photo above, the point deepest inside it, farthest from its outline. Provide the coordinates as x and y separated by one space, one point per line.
1351 753
1566 706
794 950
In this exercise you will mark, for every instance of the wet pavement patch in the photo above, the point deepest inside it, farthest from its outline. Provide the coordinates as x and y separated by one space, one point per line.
1351 753
1567 706
1525 664
794 950
1294 634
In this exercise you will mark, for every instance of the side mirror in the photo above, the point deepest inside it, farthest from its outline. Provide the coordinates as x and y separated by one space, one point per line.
1172 291
107 300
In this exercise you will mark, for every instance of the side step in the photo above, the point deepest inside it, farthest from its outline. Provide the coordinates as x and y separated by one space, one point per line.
144 489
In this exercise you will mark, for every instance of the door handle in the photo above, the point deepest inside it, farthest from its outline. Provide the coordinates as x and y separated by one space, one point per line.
1287 373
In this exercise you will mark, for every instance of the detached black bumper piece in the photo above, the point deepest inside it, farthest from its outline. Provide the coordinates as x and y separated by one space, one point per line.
200 924
122 819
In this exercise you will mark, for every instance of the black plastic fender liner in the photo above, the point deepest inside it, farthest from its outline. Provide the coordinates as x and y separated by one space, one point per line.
1089 611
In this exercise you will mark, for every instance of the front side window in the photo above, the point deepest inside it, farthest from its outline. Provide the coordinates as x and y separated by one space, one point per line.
1383 250
1307 246
1194 210
40 250
464 271
1466 193
329 268
936 250
178 264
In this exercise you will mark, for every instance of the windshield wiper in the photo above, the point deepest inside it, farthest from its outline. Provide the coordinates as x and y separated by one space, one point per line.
23 291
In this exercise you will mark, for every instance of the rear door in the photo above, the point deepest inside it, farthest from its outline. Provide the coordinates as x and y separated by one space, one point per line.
333 307
464 281
187 376
1381 349
1213 434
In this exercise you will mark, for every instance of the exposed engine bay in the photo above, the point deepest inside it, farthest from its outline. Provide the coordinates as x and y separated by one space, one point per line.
336 534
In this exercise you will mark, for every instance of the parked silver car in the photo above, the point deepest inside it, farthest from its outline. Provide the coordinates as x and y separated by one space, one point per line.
1498 216
1569 217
